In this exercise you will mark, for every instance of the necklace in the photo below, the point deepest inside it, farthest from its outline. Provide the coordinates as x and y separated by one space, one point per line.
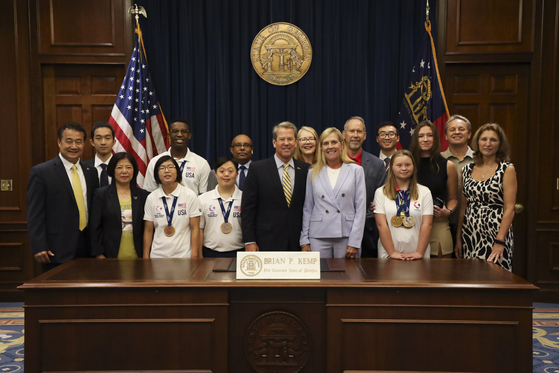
491 167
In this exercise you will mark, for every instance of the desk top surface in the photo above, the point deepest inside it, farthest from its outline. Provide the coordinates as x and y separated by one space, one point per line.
134 273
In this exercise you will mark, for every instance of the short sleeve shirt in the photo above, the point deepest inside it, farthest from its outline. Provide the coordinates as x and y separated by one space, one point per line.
188 206
212 218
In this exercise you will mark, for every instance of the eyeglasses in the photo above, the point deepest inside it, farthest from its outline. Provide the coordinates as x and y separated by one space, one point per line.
245 145
307 139
165 168
390 135
177 131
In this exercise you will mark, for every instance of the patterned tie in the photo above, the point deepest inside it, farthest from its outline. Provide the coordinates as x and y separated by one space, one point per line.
286 182
78 193
242 177
387 162
104 176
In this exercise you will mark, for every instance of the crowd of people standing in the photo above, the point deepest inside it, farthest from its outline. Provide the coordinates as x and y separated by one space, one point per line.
316 193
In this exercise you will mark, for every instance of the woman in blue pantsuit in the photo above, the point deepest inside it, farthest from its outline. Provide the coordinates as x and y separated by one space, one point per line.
335 201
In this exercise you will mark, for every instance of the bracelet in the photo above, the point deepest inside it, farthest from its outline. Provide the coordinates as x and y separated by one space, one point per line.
450 211
500 242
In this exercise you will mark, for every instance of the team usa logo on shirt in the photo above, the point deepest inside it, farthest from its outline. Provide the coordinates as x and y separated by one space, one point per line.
237 211
417 206
189 172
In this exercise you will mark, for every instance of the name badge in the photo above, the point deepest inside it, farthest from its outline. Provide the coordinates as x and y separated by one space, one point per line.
264 265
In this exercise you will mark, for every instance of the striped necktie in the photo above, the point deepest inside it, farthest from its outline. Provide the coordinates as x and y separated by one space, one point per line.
78 193
286 182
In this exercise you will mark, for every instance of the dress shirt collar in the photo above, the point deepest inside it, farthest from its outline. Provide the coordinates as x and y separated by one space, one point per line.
280 163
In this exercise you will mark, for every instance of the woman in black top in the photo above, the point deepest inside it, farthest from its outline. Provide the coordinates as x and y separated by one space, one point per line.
440 176
117 212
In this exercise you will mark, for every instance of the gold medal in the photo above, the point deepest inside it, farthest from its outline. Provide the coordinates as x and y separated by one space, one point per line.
409 221
226 228
396 221
169 230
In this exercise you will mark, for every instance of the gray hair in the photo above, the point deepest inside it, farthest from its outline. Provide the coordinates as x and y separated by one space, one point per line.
285 124
359 119
456 116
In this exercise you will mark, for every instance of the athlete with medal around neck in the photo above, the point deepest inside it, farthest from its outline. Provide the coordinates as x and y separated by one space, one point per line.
403 211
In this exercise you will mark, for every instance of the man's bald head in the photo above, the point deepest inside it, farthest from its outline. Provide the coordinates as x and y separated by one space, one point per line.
241 148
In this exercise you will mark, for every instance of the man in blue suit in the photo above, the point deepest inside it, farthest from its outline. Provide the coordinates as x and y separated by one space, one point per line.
59 194
355 134
273 196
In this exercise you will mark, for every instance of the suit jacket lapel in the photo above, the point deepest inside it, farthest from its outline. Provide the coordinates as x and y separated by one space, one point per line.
137 211
274 177
63 175
89 181
342 177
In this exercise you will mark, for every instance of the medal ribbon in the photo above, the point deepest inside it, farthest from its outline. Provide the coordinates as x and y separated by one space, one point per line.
169 216
225 214
403 202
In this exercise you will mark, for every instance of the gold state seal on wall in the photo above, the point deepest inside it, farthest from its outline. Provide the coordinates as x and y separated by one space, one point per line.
281 53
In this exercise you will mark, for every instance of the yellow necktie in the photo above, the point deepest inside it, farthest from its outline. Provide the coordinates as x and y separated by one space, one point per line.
78 193
286 182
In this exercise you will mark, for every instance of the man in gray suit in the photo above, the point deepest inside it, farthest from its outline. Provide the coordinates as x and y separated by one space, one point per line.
355 134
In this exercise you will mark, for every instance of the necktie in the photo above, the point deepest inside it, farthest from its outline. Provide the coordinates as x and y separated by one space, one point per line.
242 177
286 182
78 193
104 177
387 162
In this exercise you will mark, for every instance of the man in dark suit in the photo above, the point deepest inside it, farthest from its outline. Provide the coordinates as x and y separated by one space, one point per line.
355 134
273 196
59 193
102 140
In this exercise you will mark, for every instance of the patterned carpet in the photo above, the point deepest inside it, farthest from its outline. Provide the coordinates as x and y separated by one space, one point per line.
11 337
545 337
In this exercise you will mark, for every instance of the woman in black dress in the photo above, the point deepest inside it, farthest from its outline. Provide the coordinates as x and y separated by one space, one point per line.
440 176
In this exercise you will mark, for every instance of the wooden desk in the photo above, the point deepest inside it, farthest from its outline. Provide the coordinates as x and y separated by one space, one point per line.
375 316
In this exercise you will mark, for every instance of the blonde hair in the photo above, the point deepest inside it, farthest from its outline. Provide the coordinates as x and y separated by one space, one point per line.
298 154
389 188
504 147
321 160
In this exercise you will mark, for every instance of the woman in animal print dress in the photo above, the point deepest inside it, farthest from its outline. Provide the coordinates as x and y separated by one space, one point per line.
489 196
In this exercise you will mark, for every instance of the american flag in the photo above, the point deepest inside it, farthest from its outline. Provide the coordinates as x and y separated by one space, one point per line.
139 124
424 97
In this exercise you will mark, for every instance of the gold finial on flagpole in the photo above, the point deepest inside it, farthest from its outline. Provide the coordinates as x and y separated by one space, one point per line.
137 11
426 12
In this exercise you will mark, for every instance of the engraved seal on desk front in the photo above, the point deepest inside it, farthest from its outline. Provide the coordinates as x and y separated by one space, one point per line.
277 342
281 53
251 265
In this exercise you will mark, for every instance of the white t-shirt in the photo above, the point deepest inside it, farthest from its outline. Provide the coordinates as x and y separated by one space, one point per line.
194 174
188 206
405 240
212 218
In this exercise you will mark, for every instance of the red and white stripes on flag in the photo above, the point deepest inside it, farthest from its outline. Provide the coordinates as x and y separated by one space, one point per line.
139 124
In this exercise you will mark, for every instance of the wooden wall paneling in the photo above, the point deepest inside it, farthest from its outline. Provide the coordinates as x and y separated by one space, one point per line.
15 144
85 27
82 93
490 26
543 258
497 93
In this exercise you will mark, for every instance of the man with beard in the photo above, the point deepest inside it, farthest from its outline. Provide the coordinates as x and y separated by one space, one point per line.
195 169
273 196
355 134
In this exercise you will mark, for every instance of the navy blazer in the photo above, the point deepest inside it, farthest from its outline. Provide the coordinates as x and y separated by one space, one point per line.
52 212
106 220
335 212
266 218
375 177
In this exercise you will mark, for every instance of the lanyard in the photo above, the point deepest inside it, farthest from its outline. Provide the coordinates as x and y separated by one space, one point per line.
169 216
403 202
225 214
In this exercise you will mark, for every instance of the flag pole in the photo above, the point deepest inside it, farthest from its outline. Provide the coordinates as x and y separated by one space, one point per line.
137 11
